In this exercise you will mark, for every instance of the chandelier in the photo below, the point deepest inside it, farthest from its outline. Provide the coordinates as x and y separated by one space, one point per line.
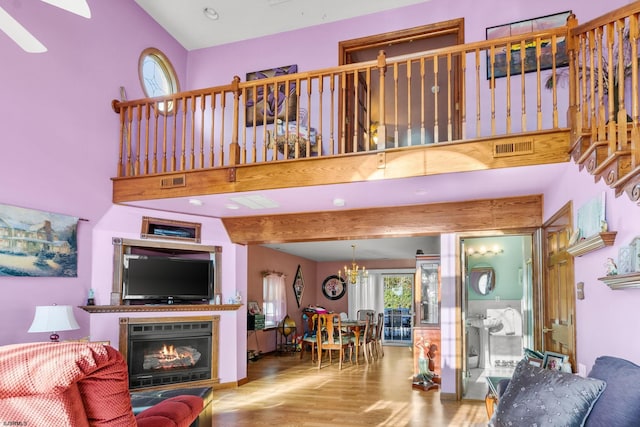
355 273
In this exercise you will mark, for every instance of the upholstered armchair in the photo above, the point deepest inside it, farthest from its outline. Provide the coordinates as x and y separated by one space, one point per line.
78 384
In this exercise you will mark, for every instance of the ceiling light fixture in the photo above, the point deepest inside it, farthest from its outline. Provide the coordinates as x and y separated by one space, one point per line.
483 250
338 202
196 202
211 13
355 273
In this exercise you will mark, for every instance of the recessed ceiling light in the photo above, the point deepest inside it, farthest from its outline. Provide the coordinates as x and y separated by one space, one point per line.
211 13
232 206
338 202
196 202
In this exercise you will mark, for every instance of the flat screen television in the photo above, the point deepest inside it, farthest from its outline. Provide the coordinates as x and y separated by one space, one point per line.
157 279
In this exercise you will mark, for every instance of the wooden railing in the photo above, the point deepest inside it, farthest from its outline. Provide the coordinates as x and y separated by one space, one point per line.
488 89
604 99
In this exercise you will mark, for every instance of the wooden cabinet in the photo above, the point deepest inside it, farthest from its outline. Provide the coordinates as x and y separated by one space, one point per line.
426 331
427 291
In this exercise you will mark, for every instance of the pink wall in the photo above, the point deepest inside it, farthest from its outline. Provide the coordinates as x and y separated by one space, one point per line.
317 47
605 318
59 133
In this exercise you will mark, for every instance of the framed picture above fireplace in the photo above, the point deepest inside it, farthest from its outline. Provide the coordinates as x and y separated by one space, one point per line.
169 229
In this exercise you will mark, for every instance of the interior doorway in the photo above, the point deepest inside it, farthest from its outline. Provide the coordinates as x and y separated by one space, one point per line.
406 120
497 292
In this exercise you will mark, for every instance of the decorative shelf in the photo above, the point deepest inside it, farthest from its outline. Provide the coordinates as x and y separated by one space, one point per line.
158 307
592 243
622 281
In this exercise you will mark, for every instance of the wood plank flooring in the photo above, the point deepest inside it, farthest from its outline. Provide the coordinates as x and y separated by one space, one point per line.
285 391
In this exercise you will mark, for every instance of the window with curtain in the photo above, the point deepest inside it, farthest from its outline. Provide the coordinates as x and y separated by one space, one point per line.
275 299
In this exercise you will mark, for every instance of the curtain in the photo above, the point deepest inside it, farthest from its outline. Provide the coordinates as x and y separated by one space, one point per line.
275 298
366 295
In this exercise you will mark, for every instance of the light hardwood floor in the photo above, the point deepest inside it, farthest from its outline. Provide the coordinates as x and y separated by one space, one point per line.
284 391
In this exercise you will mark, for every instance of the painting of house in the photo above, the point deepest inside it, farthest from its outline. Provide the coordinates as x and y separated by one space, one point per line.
35 243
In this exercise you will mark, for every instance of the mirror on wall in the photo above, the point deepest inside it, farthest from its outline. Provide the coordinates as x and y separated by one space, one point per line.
482 279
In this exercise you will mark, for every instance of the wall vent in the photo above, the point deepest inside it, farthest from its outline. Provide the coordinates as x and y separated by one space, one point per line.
173 181
513 148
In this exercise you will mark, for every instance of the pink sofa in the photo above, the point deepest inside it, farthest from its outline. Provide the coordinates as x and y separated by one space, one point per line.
78 384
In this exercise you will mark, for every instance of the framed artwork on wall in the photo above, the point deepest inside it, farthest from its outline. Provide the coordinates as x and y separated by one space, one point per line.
298 285
522 27
334 287
271 102
168 229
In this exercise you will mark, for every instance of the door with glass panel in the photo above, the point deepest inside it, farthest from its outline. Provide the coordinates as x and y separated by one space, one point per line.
398 313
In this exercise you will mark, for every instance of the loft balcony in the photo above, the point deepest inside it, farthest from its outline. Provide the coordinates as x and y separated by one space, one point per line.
532 99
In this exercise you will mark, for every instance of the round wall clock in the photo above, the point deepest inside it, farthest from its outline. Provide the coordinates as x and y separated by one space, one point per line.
334 287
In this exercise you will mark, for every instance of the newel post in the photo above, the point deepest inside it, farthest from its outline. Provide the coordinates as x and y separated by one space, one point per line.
573 113
234 148
382 129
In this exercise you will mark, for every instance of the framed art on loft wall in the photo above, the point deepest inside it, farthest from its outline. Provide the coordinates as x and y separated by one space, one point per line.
530 64
269 102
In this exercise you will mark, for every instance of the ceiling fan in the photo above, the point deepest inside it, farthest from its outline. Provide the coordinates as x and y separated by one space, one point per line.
28 41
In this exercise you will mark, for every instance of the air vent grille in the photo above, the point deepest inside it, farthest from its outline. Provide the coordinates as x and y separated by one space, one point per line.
173 181
513 148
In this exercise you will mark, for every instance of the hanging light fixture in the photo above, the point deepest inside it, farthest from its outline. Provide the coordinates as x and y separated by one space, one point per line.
355 273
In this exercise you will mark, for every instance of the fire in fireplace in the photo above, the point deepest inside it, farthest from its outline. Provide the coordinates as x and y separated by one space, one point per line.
169 351
170 357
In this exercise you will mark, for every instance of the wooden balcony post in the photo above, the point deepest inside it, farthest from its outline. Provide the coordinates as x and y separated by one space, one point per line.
382 129
572 113
234 148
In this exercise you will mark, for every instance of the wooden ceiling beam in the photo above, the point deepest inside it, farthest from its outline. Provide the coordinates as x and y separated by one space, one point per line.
398 221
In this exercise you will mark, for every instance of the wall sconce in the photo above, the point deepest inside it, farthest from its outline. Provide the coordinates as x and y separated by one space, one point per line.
483 250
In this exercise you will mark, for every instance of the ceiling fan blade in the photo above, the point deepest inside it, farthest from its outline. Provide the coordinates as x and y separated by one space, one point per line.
19 34
79 7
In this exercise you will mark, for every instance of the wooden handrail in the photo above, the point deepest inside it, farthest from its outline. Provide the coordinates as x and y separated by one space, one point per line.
604 98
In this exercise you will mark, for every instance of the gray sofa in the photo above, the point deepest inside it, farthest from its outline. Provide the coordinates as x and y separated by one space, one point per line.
609 396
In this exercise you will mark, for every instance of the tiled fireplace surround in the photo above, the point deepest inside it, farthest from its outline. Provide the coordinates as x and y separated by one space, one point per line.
158 350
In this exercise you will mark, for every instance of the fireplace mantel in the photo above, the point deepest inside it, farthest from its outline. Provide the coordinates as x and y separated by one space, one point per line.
159 307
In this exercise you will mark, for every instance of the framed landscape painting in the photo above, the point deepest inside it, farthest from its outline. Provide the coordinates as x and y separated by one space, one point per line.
37 243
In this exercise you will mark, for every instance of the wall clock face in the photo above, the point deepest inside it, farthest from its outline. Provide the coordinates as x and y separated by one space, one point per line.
334 287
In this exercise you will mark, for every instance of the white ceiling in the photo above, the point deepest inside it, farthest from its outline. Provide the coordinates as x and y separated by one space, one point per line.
247 19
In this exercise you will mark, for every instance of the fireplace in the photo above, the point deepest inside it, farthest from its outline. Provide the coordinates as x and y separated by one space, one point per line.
170 352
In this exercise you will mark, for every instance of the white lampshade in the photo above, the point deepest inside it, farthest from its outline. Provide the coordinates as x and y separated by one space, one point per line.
54 318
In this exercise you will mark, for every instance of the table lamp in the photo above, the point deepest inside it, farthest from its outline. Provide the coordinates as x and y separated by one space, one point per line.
53 318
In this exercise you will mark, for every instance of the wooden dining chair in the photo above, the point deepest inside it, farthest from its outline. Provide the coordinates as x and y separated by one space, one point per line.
331 337
365 340
377 336
309 337
362 314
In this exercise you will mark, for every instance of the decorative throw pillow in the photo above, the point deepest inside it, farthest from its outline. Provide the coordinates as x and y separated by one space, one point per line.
542 397
618 406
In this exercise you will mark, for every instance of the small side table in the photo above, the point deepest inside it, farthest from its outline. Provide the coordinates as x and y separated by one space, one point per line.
491 398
